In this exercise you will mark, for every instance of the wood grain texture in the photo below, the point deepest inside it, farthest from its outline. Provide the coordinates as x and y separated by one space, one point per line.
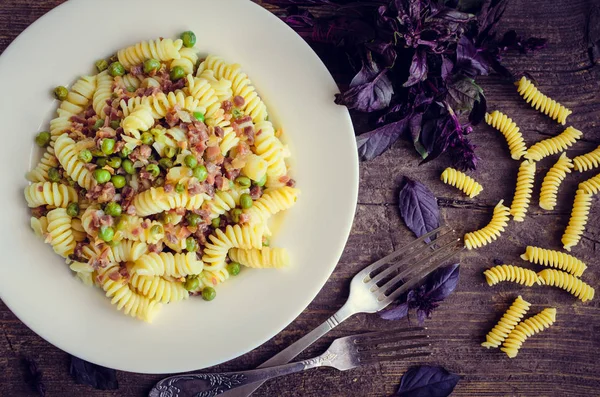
563 361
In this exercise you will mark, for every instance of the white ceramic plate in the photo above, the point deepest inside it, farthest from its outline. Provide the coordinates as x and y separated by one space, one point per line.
251 308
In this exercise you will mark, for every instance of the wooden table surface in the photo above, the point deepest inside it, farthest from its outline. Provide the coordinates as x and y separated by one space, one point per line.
562 361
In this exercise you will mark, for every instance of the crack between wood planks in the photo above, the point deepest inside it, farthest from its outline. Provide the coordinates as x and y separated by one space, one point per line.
10 346
591 239
391 234
543 133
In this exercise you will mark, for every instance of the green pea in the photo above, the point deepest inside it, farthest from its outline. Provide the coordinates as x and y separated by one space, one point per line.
180 188
101 176
199 116
43 139
128 166
147 138
108 146
177 73
216 222
209 293
53 174
125 152
170 152
165 163
156 229
193 219
188 38
101 161
106 233
101 65
191 283
98 124
112 209
114 162
233 268
235 214
73 209
246 201
96 152
85 156
261 181
190 161
116 69
130 88
151 65
200 173
153 170
61 93
237 113
115 124
243 181
191 244
119 181
122 224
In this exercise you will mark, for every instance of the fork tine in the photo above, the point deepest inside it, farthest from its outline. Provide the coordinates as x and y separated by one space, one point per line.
396 357
397 338
392 335
391 349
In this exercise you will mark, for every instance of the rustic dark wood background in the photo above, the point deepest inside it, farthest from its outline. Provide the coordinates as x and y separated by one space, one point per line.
562 361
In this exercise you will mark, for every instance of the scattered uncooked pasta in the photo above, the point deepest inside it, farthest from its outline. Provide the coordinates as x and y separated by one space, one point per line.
523 190
461 181
578 220
491 231
568 282
552 181
553 145
160 176
515 274
526 329
556 259
507 323
541 102
511 132
587 161
591 186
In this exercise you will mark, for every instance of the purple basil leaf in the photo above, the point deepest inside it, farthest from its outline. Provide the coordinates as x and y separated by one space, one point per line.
385 50
418 207
396 313
374 143
592 33
33 376
427 381
478 112
415 127
422 315
418 68
469 59
98 377
447 66
491 13
454 16
441 283
463 155
463 92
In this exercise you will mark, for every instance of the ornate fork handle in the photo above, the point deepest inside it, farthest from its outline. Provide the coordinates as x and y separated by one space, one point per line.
214 384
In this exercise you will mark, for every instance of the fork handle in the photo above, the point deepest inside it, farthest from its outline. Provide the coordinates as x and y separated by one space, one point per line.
294 349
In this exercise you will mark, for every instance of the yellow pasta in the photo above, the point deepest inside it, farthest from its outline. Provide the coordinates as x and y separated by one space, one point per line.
552 182
159 49
223 87
159 289
272 202
140 119
187 60
523 190
568 282
246 237
461 181
39 226
167 264
270 148
553 145
161 103
103 93
40 172
511 273
556 259
507 323
50 193
255 168
79 97
127 251
587 161
60 233
578 220
201 90
526 329
492 231
260 258
511 132
224 201
541 102
591 186
67 153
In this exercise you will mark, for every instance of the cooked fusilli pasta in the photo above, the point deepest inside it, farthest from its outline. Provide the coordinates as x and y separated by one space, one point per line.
507 323
50 193
127 251
40 172
167 264
461 181
159 49
511 273
156 287
60 232
526 329
491 232
587 161
79 97
541 102
260 258
578 220
568 282
557 259
553 145
552 182
523 190
246 237
67 155
140 119
272 202
511 132
103 93
188 59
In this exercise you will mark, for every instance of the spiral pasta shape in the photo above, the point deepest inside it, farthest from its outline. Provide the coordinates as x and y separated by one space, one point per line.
201 90
125 299
39 226
40 172
138 229
523 190
79 97
568 282
526 329
66 154
492 231
127 251
140 119
272 202
591 186
79 233
210 278
461 181
552 182
541 102
161 103
150 202
235 236
556 259
261 258
167 264
511 132
224 201
160 49
230 138
255 167
507 323
587 161
511 273
60 233
103 93
159 289
128 82
578 220
222 86
553 145
187 60
50 193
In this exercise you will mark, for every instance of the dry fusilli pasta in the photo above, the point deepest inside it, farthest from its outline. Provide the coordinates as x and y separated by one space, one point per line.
511 132
557 259
541 102
578 220
523 190
526 329
511 273
507 323
552 182
553 145
587 161
462 182
591 186
491 232
568 282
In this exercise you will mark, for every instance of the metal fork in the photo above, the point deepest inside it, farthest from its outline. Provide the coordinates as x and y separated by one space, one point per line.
343 354
374 288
